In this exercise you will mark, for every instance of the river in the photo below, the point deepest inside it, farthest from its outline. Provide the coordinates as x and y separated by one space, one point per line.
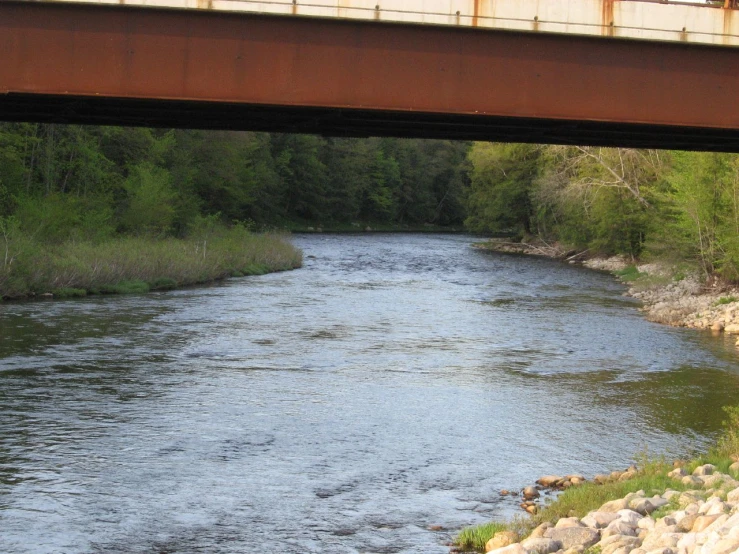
394 384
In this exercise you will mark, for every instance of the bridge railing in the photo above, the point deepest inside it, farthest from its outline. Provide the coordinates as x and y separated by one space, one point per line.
629 19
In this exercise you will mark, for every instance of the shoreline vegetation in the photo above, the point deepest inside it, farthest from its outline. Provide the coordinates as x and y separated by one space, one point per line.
129 264
684 507
671 294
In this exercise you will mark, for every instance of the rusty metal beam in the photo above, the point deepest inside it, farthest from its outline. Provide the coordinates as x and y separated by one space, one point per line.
107 64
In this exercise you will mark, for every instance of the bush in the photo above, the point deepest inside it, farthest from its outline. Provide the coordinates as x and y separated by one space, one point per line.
727 445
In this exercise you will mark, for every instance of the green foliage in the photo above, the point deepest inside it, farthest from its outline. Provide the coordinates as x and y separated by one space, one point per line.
628 274
476 537
501 180
727 445
578 501
699 219
162 283
726 300
151 198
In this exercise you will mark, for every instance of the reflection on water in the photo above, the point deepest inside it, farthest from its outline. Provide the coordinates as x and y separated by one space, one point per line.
393 384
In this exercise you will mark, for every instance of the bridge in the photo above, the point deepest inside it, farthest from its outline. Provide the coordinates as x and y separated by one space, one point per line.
601 72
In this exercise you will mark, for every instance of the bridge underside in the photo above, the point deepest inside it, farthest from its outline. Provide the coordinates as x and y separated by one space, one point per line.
187 68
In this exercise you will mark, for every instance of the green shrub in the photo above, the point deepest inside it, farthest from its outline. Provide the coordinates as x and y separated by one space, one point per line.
727 445
725 300
69 293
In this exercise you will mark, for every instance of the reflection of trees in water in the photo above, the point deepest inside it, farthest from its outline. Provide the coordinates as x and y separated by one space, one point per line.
685 400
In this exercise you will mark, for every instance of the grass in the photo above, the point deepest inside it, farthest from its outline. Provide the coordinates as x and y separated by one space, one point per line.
726 300
163 283
578 501
475 538
125 287
628 274
127 265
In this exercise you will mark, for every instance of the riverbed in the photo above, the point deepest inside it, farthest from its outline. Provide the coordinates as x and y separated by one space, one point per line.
374 401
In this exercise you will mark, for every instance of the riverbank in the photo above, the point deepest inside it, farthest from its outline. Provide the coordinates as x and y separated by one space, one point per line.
138 264
670 295
688 507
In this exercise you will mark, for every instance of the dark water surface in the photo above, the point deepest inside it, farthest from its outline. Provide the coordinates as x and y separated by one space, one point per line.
394 383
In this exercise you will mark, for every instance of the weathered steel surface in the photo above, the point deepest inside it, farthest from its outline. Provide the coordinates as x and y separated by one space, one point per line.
653 20
443 79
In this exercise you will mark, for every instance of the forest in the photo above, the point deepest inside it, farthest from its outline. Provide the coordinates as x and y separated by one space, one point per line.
681 207
76 200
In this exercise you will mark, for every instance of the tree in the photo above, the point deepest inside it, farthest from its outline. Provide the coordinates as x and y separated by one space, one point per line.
501 180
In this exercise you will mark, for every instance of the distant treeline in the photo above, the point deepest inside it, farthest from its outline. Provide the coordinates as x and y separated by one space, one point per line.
81 183
69 181
681 206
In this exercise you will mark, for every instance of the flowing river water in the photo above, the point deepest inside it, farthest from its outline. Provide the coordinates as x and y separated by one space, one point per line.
394 384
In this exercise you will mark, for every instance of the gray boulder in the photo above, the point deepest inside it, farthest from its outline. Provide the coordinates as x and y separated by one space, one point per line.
706 469
630 517
661 540
611 544
568 522
541 546
570 537
619 527
599 520
642 506
614 505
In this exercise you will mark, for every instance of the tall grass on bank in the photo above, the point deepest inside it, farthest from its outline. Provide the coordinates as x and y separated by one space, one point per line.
137 264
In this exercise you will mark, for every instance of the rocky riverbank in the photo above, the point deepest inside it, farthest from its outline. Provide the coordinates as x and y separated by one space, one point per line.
699 514
669 295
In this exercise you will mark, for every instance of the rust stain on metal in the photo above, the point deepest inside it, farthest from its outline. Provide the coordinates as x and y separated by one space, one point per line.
343 8
54 50
476 13
535 27
205 4
607 20
728 24
295 7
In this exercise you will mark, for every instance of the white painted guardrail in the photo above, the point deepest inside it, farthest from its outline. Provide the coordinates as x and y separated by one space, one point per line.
626 19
